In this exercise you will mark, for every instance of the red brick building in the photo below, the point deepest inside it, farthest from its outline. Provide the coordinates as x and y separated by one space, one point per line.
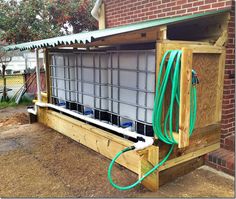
121 12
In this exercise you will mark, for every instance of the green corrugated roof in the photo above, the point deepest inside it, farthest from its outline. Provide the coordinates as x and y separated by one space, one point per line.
87 37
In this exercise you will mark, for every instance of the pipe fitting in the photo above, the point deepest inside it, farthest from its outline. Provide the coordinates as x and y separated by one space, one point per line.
148 141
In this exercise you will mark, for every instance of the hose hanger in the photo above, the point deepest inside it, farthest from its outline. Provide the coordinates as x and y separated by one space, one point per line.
169 74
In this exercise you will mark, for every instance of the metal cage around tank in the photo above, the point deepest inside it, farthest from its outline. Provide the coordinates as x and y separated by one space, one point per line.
113 86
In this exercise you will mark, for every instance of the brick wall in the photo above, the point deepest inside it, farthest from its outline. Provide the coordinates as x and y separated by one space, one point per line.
121 12
228 107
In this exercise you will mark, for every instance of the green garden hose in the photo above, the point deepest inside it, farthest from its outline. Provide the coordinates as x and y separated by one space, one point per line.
169 71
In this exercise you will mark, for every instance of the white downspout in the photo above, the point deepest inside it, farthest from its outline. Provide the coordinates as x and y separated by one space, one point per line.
96 9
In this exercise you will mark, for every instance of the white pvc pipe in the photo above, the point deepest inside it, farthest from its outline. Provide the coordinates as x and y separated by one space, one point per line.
38 75
139 145
95 10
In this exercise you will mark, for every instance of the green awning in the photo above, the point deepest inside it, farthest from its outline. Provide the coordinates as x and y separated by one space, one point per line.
88 37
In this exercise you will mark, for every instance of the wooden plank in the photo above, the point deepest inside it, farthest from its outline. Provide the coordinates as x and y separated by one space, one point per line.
189 156
200 29
102 17
201 138
219 86
186 42
172 173
197 47
44 97
160 51
97 139
152 181
139 36
163 32
185 88
222 39
47 62
153 155
106 144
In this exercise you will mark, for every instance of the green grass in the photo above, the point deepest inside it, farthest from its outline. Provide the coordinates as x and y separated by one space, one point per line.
24 101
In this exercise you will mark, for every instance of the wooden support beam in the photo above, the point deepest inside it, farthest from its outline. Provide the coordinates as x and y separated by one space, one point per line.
175 161
108 145
47 60
202 29
220 85
105 143
44 97
196 47
148 161
163 32
185 89
222 39
169 175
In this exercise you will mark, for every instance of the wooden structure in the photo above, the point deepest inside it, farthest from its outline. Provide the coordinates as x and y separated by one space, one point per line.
203 50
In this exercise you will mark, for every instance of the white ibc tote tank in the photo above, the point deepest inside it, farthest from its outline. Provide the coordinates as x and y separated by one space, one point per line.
58 77
69 67
131 80
92 80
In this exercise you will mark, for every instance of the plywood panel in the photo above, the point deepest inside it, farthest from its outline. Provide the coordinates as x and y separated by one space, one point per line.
207 68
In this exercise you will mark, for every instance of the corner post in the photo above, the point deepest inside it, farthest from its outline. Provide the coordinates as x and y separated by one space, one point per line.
147 161
48 72
185 90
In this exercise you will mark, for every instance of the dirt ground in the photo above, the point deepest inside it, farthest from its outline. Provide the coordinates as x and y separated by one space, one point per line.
36 161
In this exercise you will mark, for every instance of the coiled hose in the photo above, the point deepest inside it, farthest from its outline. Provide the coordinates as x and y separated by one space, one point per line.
169 71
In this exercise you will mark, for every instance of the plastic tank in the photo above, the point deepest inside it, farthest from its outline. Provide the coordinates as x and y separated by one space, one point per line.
131 82
92 80
69 71
58 74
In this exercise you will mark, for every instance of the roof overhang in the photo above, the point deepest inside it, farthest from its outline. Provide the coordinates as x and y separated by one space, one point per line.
146 31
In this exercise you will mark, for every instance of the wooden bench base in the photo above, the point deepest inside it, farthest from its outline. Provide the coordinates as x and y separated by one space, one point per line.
109 145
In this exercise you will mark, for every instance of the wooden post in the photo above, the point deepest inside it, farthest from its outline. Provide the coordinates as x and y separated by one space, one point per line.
185 89
4 93
220 85
47 62
38 75
147 162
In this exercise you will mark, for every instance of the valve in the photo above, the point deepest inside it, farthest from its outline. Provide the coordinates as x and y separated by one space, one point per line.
195 79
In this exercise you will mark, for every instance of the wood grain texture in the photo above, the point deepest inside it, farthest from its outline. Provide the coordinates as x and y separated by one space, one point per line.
105 143
185 88
208 69
172 173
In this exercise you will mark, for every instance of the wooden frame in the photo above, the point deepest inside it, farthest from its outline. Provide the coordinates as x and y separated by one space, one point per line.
108 145
188 155
185 89
204 140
